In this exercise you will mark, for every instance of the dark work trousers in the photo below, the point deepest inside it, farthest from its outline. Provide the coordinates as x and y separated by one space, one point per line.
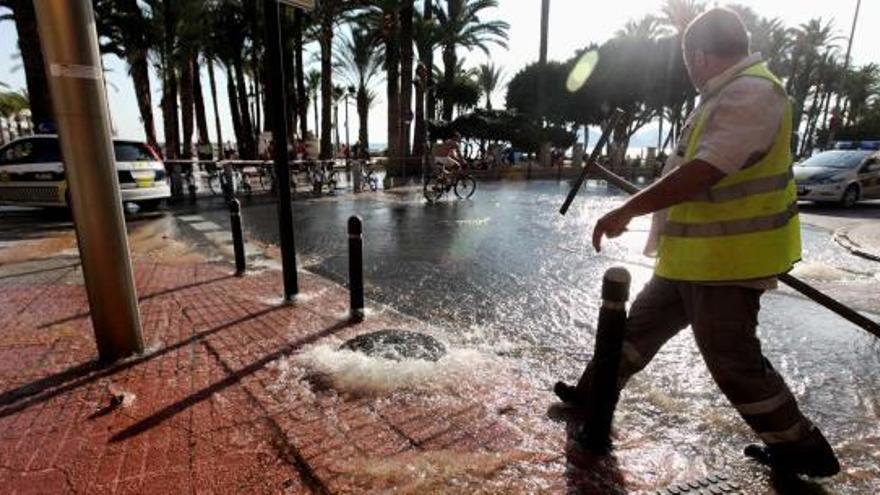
724 320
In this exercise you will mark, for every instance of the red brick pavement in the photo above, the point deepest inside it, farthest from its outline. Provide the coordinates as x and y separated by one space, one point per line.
209 415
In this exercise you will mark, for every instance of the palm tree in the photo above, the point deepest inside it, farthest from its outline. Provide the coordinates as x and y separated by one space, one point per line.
677 14
407 15
32 58
338 95
127 33
861 88
359 60
489 79
810 40
313 82
228 37
327 14
648 27
427 39
461 25
303 107
383 21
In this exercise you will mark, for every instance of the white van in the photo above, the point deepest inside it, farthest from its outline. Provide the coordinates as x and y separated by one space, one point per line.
32 173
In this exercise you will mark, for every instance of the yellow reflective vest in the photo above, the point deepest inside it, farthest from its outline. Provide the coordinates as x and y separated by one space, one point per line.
746 226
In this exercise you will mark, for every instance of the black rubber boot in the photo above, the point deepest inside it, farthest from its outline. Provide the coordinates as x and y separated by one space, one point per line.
568 394
812 456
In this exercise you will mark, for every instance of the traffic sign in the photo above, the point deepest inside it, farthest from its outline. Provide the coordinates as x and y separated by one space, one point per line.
302 4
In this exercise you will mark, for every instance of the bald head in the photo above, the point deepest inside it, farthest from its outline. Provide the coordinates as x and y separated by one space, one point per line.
712 42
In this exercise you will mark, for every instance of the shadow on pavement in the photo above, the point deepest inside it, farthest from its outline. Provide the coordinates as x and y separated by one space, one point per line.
233 377
43 390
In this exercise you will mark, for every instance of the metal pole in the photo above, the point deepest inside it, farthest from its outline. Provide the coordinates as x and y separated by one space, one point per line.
275 94
356 267
70 47
237 236
603 393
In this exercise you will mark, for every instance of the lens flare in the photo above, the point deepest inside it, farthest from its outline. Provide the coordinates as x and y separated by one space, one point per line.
582 71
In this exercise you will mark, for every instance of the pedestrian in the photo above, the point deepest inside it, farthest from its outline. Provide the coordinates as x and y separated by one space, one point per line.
725 225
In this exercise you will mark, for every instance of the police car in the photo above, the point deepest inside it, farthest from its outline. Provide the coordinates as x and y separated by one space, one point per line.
846 175
32 173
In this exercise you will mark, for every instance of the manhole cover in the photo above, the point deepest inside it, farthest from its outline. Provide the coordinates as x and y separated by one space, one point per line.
715 485
397 345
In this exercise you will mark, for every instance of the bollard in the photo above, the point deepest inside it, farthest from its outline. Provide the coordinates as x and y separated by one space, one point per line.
603 393
356 267
237 236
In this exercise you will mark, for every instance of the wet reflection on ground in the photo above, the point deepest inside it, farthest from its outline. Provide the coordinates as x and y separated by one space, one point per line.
506 275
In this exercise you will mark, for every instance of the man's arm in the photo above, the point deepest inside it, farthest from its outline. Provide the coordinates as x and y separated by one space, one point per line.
682 184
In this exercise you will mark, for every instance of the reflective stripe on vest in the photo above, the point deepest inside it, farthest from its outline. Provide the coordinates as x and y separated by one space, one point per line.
746 226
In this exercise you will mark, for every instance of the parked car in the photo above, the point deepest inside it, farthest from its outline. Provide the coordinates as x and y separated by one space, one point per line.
32 173
842 176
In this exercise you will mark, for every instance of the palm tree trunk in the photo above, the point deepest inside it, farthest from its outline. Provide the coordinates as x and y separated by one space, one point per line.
169 113
169 103
449 61
430 100
326 88
317 126
140 76
213 84
186 101
407 12
199 100
335 126
40 101
303 107
234 108
289 77
363 109
419 132
247 128
392 68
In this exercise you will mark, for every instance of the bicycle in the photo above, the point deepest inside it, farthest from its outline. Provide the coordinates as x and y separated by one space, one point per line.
319 177
217 182
442 181
266 177
368 178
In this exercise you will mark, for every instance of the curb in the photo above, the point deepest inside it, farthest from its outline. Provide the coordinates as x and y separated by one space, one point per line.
841 237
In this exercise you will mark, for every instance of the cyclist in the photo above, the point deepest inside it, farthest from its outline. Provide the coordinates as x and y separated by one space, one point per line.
448 155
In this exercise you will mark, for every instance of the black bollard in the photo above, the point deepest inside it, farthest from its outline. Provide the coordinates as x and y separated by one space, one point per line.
356 267
237 236
603 393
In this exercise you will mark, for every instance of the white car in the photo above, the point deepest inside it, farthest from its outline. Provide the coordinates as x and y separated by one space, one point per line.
32 173
842 176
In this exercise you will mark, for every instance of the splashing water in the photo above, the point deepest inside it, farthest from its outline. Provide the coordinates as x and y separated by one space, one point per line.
355 372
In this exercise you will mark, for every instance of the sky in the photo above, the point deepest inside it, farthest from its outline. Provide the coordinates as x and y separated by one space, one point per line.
573 24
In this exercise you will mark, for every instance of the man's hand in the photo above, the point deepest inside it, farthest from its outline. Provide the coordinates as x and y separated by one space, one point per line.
612 225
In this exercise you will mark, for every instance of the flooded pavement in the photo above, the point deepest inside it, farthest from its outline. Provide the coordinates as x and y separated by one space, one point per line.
504 274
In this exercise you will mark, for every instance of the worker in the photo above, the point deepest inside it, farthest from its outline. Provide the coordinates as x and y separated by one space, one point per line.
725 225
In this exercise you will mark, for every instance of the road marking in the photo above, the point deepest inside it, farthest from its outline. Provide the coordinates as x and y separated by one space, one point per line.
192 218
205 226
219 237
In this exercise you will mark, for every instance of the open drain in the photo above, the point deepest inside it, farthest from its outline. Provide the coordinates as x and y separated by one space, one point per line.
397 345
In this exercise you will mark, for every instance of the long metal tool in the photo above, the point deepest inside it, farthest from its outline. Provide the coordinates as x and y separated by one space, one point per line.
788 279
615 118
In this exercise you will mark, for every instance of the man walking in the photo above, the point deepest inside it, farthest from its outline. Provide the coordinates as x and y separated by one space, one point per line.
725 225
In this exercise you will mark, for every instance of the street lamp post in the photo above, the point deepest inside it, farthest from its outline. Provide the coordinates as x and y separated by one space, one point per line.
76 82
275 94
